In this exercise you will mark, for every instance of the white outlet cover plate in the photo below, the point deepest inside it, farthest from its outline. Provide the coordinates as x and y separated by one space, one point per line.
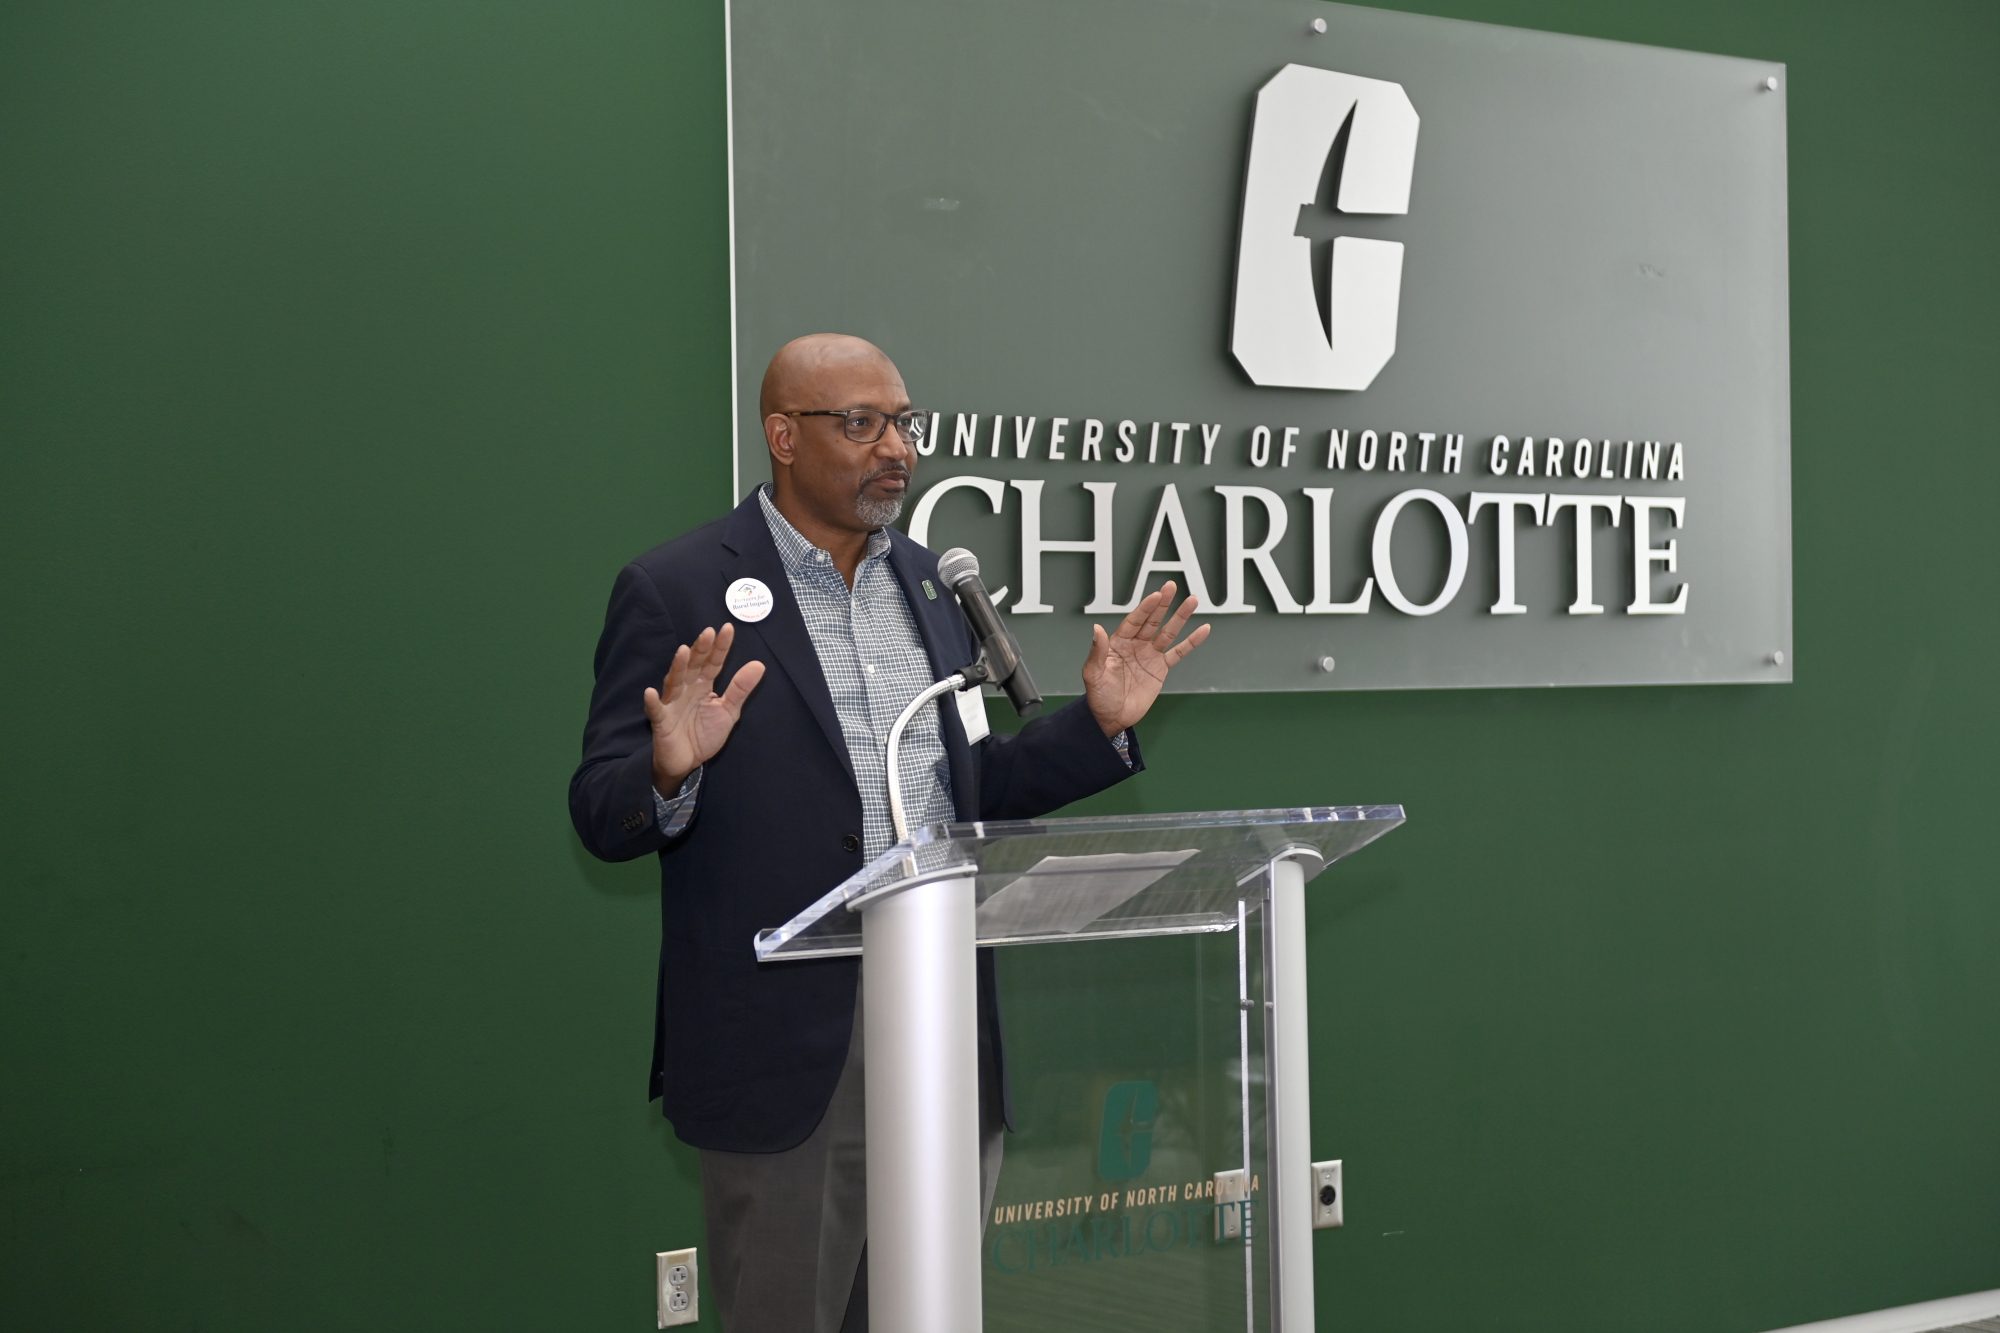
677 1283
1325 1174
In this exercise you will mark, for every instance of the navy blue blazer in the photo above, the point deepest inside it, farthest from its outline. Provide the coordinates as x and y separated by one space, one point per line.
758 1047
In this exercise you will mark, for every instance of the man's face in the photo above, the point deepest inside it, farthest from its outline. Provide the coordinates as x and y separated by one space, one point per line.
845 485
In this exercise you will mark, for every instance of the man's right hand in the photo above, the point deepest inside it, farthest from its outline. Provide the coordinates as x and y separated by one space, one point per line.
690 721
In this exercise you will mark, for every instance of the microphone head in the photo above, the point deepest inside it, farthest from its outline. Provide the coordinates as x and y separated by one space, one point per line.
957 565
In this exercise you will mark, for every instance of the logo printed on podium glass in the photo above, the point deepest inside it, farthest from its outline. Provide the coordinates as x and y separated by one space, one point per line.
1315 125
1125 1144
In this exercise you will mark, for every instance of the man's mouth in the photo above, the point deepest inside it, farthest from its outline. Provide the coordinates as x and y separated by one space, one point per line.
889 481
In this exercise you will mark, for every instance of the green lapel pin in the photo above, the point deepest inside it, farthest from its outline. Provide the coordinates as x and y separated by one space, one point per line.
929 591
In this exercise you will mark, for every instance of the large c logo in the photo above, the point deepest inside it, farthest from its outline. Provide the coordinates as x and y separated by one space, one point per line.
1125 1141
1278 333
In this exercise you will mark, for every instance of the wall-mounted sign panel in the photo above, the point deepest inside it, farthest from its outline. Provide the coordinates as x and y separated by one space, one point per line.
1429 353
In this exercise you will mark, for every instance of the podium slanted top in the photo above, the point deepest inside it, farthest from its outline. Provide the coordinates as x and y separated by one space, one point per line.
1047 880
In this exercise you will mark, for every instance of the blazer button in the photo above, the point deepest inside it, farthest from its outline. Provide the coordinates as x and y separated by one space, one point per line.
849 843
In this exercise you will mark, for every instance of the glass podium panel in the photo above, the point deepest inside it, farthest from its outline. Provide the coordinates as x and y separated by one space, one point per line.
1157 1061
1066 880
1138 1079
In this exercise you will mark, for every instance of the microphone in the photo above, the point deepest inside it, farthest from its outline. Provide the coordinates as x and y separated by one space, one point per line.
959 568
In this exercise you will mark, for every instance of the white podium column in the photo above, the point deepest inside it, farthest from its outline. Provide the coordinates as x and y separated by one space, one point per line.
921 1029
1289 1068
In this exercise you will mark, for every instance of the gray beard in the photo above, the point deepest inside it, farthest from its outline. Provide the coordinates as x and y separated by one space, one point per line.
876 513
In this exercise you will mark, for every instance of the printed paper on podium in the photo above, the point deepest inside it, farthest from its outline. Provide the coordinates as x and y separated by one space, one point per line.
1060 895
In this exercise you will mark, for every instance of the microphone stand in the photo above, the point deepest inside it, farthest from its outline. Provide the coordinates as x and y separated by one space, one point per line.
972 676
923 999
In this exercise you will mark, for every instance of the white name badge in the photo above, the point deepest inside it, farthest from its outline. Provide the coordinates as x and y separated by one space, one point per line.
748 600
972 713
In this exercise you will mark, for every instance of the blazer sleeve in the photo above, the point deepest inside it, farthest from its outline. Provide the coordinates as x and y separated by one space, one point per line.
611 793
1058 758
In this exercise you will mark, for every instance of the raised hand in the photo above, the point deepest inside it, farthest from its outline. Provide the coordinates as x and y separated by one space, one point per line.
690 721
1124 672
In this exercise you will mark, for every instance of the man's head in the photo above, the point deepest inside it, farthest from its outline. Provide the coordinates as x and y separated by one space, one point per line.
825 471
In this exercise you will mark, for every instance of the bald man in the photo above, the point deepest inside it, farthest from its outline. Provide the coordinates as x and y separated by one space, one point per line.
747 677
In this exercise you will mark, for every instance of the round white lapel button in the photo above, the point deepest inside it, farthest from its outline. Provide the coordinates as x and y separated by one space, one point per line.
748 600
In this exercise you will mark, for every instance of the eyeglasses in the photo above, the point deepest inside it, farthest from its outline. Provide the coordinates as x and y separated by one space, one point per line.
864 425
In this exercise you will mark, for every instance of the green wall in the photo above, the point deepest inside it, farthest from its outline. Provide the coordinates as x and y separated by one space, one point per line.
347 348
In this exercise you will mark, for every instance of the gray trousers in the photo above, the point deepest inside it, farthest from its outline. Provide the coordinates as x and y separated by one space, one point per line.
787 1231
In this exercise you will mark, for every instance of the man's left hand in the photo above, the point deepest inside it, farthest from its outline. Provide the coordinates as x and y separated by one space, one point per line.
1124 672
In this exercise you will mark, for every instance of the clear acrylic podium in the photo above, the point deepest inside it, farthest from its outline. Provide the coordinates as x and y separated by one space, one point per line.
1160 1052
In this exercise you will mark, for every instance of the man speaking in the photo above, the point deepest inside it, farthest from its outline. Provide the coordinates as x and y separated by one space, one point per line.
752 759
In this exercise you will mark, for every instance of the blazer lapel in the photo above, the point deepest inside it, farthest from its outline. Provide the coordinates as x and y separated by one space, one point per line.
781 638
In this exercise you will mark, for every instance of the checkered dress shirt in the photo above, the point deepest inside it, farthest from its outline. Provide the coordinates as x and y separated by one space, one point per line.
874 664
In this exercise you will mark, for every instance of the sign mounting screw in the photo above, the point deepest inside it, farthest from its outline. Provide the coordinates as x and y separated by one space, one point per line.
1324 664
1770 84
1319 26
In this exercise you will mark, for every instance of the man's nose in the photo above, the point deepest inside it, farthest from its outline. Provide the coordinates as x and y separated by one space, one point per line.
892 447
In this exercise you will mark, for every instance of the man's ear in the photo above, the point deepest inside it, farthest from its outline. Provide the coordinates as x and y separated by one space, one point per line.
779 436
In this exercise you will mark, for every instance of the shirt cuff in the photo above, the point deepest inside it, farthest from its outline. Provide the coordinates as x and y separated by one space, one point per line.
1122 743
672 815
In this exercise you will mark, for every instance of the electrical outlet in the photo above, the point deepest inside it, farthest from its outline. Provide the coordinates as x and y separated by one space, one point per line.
677 1280
1329 1198
1232 1202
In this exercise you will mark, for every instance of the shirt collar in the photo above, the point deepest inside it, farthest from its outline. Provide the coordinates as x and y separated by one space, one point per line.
798 553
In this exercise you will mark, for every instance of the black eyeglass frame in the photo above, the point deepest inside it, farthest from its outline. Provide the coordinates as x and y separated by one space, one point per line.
905 422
